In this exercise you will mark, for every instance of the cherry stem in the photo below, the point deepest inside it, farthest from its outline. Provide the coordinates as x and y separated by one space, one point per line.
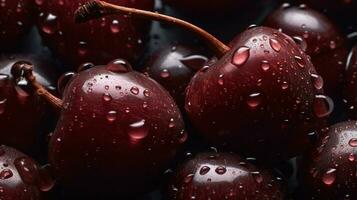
25 70
97 9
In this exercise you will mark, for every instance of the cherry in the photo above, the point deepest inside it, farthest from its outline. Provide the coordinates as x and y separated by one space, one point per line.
173 67
319 37
22 114
116 127
99 41
21 177
16 18
263 93
330 171
350 91
219 176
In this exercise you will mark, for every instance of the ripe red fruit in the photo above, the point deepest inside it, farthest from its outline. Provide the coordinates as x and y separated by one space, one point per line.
21 177
99 41
219 176
319 37
116 127
23 114
16 18
330 171
173 67
350 84
262 98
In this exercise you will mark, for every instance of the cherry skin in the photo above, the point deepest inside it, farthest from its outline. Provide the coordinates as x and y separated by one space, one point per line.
99 41
21 177
324 42
173 67
260 99
219 176
116 127
330 171
350 91
22 113
16 18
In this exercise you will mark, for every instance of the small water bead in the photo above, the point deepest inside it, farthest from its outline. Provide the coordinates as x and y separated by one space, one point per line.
241 56
317 81
134 90
204 170
257 176
182 137
165 73
332 44
351 157
119 66
138 130
221 170
301 42
6 174
284 85
107 97
254 100
265 65
172 123
300 61
146 93
221 80
111 116
353 142
115 27
82 48
329 177
188 178
275 44
85 66
48 23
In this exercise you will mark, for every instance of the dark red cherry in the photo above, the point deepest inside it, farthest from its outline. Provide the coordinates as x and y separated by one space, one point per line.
219 176
319 37
21 178
262 98
330 171
116 127
99 41
23 115
350 84
173 67
16 18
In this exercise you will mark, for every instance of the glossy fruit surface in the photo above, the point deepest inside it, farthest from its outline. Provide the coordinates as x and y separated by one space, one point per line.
117 127
99 41
261 99
173 67
16 18
23 114
21 177
330 172
219 176
350 84
318 36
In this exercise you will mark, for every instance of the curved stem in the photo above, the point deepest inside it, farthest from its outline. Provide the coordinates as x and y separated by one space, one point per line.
96 9
25 70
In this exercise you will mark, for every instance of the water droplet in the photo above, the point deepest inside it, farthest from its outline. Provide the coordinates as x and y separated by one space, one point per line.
63 81
85 66
194 62
300 61
165 73
146 93
254 100
45 181
119 66
82 48
188 178
172 123
134 90
204 170
301 42
323 106
221 80
6 174
112 116
27 169
265 65
2 105
48 23
107 97
137 130
221 170
351 157
114 26
284 85
275 44
257 176
329 176
353 142
332 44
241 56
182 137
317 81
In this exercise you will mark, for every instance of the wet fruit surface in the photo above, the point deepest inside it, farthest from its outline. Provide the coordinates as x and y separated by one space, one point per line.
23 114
98 41
173 67
16 18
219 176
21 178
318 36
117 126
263 94
330 172
350 90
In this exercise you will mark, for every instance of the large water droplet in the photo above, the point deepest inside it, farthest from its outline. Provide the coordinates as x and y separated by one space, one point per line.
6 174
134 90
254 100
221 170
119 66
241 56
114 26
300 61
49 23
27 169
329 177
275 44
322 106
353 142
265 65
317 81
112 116
165 73
107 97
45 181
137 130
204 170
